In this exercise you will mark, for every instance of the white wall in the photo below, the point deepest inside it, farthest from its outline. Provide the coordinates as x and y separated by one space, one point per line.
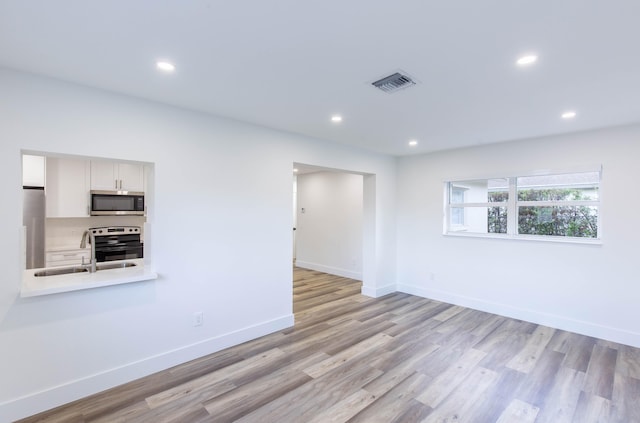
220 238
329 234
590 289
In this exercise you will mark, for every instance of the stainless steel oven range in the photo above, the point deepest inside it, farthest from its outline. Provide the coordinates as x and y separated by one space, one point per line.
117 243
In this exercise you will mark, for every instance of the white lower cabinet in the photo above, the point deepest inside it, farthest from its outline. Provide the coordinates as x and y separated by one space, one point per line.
71 257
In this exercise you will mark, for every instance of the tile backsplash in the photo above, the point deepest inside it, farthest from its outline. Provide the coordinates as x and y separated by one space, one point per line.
67 232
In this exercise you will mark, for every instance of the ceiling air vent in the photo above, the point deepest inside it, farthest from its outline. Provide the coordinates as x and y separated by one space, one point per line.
393 83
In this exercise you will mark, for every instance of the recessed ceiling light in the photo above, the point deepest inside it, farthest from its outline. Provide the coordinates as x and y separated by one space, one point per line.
295 169
336 118
527 60
569 115
413 143
165 66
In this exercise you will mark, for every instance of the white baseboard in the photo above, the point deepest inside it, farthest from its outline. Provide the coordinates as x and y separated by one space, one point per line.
378 292
330 270
49 398
552 320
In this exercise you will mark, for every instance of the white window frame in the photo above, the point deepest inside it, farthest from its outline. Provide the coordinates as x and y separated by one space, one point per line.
513 205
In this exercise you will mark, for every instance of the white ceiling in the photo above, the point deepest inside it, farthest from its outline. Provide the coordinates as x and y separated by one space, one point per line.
291 64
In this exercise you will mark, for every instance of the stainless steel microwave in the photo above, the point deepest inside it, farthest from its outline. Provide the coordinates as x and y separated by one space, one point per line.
117 203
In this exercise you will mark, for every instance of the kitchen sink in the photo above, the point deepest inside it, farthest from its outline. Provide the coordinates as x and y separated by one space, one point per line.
78 269
60 271
106 266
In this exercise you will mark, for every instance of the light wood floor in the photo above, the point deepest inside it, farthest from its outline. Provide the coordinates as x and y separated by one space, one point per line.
398 358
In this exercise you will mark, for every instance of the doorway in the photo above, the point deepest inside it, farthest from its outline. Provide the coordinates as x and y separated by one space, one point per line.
328 217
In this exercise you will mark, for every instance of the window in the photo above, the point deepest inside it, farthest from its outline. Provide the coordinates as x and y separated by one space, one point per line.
558 206
457 213
480 204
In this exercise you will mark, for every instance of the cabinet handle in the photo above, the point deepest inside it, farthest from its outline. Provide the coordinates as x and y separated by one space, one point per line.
116 183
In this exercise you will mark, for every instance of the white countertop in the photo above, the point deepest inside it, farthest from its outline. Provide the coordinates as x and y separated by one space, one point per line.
57 248
44 285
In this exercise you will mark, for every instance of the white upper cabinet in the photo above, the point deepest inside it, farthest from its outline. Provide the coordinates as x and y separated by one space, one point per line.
131 177
32 171
103 175
106 175
67 187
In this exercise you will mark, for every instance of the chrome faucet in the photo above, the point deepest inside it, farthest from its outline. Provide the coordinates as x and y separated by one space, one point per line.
83 244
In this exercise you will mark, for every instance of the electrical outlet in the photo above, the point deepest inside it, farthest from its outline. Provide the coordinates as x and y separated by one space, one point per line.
198 318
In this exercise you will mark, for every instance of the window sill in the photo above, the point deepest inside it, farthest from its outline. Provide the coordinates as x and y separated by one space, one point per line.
534 238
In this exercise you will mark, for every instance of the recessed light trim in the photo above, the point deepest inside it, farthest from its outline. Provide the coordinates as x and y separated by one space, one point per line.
413 143
570 114
529 59
336 118
165 66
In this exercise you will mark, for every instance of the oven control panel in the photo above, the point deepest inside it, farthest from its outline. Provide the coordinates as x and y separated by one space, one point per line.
115 230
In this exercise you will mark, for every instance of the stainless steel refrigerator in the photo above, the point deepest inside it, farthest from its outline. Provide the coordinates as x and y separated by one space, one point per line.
33 212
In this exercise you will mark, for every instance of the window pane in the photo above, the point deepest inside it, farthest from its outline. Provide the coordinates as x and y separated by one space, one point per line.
480 191
574 221
457 216
566 187
480 220
497 220
457 194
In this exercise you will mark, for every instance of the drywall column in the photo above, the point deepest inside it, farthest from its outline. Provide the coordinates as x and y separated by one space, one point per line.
369 267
